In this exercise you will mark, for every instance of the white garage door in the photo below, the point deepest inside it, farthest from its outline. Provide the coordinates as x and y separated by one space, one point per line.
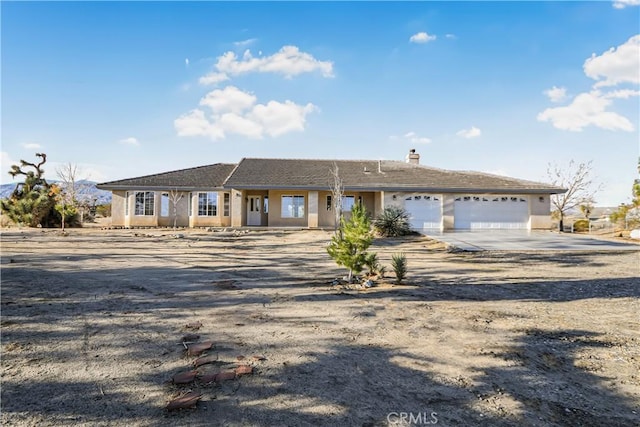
425 210
491 212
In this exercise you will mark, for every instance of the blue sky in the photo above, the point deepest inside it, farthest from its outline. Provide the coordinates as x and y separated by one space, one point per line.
124 89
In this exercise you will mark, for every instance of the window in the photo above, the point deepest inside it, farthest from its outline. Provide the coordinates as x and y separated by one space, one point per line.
145 203
226 204
126 204
329 207
347 203
190 207
164 204
292 207
207 204
266 204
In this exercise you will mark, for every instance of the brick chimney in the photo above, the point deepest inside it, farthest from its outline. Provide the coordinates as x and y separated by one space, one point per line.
413 157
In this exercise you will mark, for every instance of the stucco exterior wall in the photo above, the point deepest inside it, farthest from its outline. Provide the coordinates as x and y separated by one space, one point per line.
117 208
326 217
540 211
275 209
388 198
218 220
448 211
316 213
325 213
182 217
264 213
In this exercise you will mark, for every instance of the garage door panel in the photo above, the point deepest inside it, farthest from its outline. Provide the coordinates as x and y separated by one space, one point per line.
491 212
425 210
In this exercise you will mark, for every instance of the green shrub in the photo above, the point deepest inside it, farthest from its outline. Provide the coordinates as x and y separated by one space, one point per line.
399 265
581 225
373 264
393 221
104 210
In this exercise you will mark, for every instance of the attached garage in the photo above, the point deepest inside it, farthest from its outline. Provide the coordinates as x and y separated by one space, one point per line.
504 212
425 210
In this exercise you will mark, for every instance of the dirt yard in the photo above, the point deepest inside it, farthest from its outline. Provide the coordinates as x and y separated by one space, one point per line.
92 328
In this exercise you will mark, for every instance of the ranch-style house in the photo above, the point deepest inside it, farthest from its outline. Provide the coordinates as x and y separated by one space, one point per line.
265 192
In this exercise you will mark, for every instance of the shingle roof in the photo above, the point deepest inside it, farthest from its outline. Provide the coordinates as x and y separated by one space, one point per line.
371 175
202 177
307 174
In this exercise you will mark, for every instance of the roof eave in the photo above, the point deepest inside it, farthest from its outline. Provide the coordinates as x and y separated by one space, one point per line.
155 188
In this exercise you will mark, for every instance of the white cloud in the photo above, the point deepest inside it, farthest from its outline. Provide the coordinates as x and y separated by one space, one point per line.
213 78
229 99
194 123
186 62
32 146
279 118
130 141
245 43
556 94
421 37
450 36
617 65
622 94
586 109
621 4
415 139
474 132
241 125
288 61
234 111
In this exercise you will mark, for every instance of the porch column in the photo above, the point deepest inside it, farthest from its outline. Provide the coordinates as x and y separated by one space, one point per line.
313 209
237 203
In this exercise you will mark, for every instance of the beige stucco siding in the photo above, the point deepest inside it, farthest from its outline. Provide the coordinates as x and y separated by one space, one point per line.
217 220
275 209
448 217
117 208
326 217
540 209
181 200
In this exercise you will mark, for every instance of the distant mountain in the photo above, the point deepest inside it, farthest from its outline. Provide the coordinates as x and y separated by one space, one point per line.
86 190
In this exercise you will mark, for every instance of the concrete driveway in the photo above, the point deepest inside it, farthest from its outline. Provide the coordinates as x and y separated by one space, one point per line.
522 240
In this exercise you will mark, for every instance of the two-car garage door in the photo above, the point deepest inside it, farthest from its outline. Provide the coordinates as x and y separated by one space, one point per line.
491 212
470 212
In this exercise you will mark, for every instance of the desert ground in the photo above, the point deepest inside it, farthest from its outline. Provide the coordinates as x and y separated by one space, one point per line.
93 325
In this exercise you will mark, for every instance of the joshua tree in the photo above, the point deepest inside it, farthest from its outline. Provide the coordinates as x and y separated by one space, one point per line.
32 202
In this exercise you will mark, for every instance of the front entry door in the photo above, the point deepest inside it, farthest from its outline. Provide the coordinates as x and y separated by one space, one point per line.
254 215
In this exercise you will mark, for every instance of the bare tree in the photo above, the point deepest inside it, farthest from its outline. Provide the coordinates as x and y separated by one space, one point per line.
581 188
67 192
174 198
337 193
72 192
